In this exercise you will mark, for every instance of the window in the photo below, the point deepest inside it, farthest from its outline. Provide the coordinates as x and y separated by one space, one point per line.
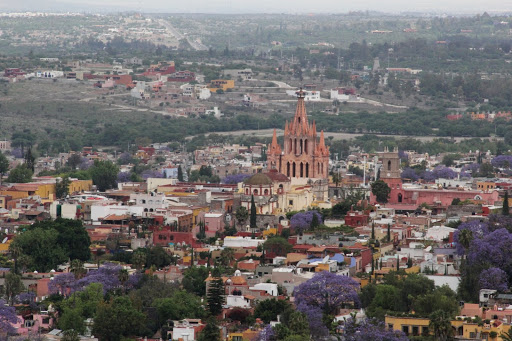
405 329
415 331
290 202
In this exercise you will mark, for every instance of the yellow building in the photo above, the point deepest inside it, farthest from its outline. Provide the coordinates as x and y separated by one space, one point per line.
485 186
221 84
415 326
77 186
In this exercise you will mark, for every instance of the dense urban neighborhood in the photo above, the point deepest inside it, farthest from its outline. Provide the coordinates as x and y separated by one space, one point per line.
255 177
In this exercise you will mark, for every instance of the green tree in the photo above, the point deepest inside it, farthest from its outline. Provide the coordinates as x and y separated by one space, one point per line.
507 336
62 188
268 310
252 218
215 295
505 210
70 335
4 166
194 280
43 247
277 245
180 174
139 259
211 331
74 160
13 286
440 325
30 159
71 319
20 174
104 174
241 215
381 191
118 318
179 306
77 268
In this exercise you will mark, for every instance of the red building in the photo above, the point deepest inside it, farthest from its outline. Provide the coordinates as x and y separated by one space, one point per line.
356 218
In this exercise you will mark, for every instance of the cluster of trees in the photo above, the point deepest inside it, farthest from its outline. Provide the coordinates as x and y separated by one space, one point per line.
401 293
44 245
204 174
484 265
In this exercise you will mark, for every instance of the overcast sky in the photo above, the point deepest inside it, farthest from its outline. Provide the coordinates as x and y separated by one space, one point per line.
260 6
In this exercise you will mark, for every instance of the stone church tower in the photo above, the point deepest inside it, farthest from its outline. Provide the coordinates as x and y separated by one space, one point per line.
304 156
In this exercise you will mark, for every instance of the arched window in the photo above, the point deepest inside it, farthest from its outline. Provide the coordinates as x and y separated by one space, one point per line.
301 170
399 197
290 147
255 192
293 170
305 146
265 192
307 169
247 191
295 147
389 165
301 146
287 169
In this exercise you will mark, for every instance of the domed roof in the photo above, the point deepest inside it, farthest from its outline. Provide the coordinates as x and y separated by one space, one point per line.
258 179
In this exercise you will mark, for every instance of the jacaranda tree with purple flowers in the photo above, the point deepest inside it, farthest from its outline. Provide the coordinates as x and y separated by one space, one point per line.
266 334
303 221
493 278
7 318
484 246
233 179
370 329
502 161
63 284
409 173
322 296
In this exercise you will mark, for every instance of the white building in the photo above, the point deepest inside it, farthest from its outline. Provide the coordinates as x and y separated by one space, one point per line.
310 95
242 242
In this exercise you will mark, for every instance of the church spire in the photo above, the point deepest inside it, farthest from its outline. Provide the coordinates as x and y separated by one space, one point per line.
274 147
300 121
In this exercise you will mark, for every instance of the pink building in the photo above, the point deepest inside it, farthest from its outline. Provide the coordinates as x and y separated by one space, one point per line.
408 199
213 223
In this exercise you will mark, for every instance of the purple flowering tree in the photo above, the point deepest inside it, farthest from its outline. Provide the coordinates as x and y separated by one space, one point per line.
444 173
302 221
17 153
472 168
266 334
235 178
327 291
493 278
370 330
107 275
63 284
315 316
85 163
403 155
409 173
152 174
123 177
125 158
502 161
7 318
